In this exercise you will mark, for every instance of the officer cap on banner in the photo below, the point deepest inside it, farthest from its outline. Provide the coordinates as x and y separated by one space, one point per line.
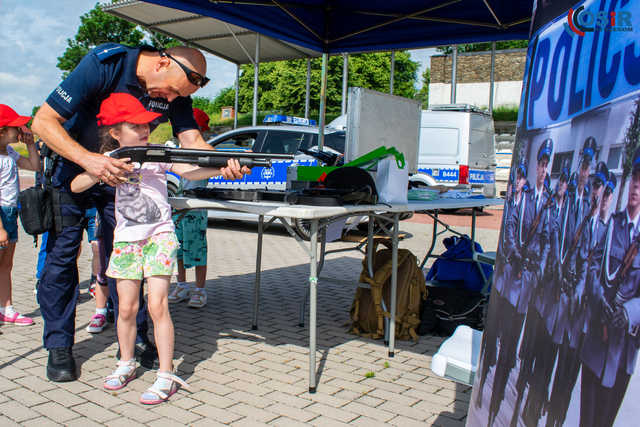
589 149
612 181
601 174
546 149
636 160
564 171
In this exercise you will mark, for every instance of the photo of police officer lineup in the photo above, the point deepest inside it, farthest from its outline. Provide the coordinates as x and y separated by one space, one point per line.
567 278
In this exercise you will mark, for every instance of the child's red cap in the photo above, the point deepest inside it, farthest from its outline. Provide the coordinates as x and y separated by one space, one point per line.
122 107
8 117
202 119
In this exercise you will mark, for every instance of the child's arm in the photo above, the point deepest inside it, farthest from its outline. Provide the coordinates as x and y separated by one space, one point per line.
83 182
194 173
4 236
32 162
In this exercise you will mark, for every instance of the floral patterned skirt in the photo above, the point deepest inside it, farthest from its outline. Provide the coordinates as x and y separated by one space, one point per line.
154 256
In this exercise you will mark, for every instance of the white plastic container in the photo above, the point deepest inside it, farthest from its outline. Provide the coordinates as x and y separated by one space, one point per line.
457 357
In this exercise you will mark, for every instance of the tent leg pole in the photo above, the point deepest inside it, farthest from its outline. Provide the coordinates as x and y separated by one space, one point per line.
256 69
454 60
308 89
323 100
345 80
392 70
493 76
235 102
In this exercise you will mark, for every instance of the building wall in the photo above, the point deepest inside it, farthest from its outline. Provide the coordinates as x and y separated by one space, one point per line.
473 76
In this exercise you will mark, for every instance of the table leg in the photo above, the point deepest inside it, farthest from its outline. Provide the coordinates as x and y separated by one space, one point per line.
313 290
434 235
394 283
256 286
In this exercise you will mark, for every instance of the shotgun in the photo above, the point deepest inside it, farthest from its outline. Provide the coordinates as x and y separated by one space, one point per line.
203 158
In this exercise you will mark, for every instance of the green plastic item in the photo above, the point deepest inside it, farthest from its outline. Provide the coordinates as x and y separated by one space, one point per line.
366 161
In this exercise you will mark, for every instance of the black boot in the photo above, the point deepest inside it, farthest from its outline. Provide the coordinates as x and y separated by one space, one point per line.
61 366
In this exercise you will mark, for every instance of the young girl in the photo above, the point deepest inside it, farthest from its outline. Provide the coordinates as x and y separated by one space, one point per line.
12 129
145 244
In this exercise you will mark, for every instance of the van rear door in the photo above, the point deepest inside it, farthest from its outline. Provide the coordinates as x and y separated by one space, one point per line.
441 145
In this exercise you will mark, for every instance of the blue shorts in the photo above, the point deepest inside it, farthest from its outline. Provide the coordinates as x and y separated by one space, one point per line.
191 230
9 216
90 214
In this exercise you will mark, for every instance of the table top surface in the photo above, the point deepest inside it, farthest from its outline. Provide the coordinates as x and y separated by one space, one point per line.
280 209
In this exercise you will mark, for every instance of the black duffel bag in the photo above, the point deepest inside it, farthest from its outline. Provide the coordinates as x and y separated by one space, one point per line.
36 209
447 308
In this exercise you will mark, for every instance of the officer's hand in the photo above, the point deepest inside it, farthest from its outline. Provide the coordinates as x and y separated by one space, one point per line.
620 319
4 238
233 170
107 169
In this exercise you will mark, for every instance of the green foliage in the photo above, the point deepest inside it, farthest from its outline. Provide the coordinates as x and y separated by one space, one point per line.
505 113
631 144
481 47
161 134
282 84
97 27
386 365
370 374
423 94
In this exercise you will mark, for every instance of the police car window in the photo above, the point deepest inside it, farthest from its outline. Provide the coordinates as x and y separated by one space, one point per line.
242 141
335 140
282 142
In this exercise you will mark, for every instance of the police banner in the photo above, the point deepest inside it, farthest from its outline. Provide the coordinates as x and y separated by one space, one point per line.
563 330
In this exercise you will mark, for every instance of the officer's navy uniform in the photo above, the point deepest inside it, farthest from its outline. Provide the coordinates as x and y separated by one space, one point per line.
610 349
107 69
508 287
570 321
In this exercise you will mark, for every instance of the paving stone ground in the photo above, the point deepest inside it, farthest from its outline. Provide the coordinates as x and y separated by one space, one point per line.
238 376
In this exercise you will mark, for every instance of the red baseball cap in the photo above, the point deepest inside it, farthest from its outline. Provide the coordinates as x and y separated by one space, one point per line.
202 119
8 117
122 107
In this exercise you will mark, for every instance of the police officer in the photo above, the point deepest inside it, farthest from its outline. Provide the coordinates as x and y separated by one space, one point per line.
507 287
593 351
534 242
502 275
572 305
163 81
611 346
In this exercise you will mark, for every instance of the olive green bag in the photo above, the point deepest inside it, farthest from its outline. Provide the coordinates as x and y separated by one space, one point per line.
367 314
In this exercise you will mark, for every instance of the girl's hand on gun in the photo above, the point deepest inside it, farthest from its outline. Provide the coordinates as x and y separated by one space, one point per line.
233 170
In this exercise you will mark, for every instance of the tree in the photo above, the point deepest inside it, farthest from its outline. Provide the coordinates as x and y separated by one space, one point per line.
97 27
423 94
282 84
482 47
631 144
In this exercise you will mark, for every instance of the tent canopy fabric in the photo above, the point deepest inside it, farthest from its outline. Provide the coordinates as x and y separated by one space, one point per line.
228 41
305 28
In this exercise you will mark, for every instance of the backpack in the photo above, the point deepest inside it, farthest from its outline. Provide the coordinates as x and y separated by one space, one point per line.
36 214
446 308
367 315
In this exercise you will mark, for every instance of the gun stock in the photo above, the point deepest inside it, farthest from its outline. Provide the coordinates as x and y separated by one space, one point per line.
203 158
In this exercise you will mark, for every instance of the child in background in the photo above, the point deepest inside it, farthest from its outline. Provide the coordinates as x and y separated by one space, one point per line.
145 244
99 288
191 229
12 129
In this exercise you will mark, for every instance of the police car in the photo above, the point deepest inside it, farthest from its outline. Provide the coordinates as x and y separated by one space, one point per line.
285 135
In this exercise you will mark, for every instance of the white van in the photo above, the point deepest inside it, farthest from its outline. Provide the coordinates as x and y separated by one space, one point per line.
456 147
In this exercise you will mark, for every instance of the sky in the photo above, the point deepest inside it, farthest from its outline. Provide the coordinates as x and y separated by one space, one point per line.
34 34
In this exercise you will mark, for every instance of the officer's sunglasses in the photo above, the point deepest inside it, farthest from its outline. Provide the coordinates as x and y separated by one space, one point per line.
193 77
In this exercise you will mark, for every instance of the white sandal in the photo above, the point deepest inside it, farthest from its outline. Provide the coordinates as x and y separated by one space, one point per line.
124 373
155 395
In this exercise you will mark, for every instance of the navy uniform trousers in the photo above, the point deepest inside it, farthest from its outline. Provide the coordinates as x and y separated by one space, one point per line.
58 289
